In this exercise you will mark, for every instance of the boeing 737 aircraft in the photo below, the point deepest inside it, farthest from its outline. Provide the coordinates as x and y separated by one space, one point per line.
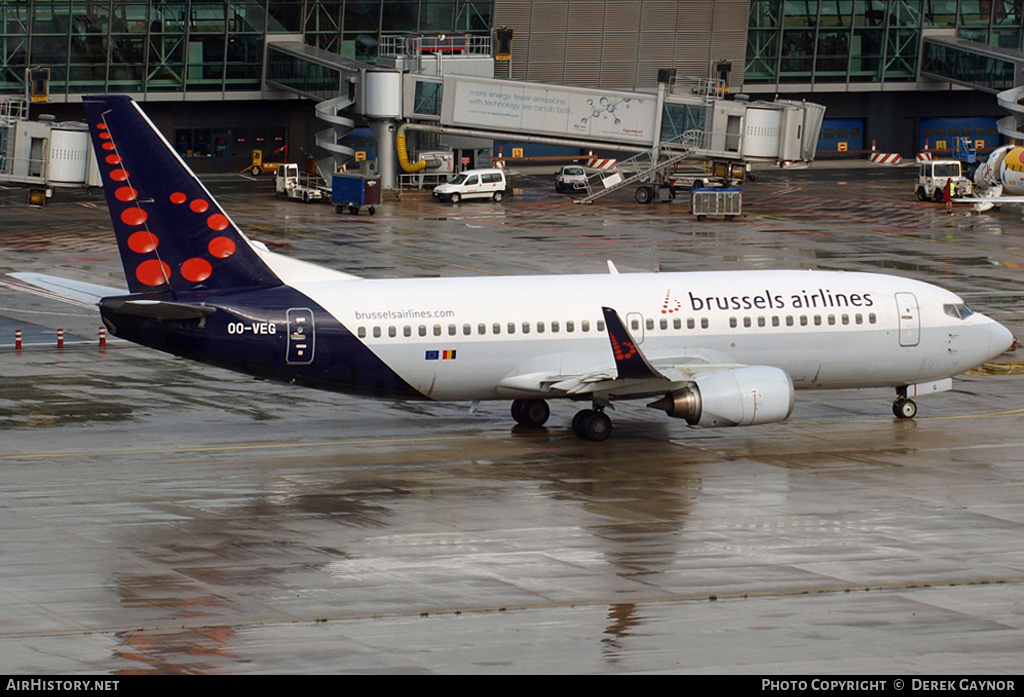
713 348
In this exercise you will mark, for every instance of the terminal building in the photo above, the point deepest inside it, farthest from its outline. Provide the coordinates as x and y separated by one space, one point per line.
382 85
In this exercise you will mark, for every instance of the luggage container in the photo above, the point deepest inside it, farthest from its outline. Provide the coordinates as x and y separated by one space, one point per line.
353 191
726 202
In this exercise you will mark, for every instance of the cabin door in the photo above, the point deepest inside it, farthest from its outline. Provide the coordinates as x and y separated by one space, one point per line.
910 319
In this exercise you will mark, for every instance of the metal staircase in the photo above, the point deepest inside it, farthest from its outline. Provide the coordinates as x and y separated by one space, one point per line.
648 167
329 138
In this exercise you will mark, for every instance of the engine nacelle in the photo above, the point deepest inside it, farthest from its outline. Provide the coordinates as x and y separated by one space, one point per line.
739 397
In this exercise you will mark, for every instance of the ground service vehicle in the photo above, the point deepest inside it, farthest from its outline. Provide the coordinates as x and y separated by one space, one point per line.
474 183
932 176
295 185
570 177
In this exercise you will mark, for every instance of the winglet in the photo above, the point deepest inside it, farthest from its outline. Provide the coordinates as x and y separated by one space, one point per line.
629 360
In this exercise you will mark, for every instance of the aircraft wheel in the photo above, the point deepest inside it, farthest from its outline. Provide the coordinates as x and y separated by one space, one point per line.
530 412
904 408
592 425
644 194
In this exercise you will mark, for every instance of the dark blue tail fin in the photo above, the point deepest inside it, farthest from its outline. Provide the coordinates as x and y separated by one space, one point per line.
172 234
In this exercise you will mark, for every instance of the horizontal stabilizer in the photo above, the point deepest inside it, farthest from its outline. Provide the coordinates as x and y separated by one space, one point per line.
156 309
63 289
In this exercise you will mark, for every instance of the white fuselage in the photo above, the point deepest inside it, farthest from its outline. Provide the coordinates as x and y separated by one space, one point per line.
469 338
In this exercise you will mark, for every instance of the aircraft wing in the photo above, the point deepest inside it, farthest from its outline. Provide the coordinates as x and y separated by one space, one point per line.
633 375
63 289
606 381
989 199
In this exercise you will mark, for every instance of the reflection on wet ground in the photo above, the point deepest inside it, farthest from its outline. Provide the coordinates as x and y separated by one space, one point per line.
164 517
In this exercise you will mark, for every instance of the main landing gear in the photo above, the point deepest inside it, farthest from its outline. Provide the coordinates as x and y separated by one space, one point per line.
903 407
588 424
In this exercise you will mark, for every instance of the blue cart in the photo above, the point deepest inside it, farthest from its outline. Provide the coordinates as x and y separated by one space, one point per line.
353 191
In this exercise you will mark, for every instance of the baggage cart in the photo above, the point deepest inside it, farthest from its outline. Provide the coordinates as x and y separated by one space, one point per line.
352 192
726 202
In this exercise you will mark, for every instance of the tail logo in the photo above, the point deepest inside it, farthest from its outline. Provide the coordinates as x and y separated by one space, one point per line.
154 272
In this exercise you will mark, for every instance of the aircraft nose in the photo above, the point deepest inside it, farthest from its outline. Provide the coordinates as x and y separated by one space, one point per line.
1000 339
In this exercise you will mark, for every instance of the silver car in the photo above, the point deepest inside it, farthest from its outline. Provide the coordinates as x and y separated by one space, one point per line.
570 178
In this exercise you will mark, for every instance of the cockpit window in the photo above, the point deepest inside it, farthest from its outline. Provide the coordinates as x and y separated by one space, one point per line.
958 310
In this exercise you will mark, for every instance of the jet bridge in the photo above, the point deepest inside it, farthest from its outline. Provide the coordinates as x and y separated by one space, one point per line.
424 88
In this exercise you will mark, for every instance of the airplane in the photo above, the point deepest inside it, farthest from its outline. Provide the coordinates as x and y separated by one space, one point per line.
999 179
714 348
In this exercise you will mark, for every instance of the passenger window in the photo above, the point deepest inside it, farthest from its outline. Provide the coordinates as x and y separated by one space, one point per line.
511 327
554 327
407 330
526 327
540 327
704 323
732 322
451 330
423 330
362 332
585 325
392 331
600 325
437 330
466 329
690 324
376 332
496 328
871 318
570 326
481 329
650 324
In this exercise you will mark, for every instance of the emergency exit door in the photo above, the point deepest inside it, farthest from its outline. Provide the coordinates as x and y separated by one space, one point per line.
910 319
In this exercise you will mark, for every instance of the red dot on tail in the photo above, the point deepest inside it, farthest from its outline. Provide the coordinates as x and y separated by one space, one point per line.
221 247
133 216
153 272
196 270
217 221
143 242
113 159
198 205
178 197
119 175
126 193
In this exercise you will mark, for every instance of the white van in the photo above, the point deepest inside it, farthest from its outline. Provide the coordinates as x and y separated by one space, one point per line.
473 183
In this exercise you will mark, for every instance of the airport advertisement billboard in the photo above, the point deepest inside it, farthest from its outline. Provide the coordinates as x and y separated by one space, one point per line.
556 110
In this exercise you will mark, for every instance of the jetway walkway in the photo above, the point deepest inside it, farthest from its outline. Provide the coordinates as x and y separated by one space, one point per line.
432 94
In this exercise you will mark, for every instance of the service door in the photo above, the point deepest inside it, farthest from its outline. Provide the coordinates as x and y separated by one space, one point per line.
910 319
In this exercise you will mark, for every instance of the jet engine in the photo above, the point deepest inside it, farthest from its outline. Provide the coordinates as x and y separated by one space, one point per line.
739 397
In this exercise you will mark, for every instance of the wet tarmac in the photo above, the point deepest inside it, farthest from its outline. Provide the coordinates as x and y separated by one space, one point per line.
159 516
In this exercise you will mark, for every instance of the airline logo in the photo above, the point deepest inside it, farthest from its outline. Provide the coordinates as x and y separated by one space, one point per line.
440 355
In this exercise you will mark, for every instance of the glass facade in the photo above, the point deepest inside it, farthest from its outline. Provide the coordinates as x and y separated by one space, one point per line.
865 41
199 45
